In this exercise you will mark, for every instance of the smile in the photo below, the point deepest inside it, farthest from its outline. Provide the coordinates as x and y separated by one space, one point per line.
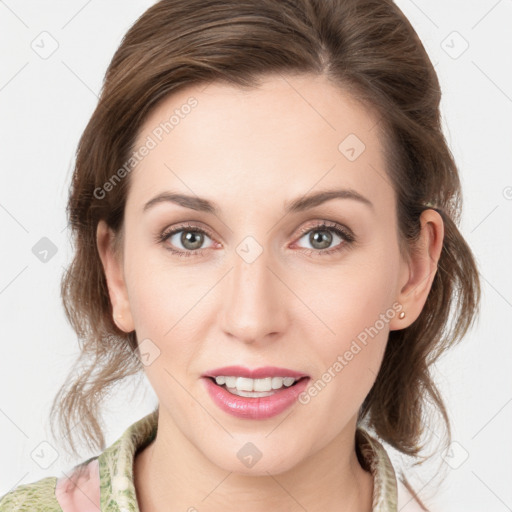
254 404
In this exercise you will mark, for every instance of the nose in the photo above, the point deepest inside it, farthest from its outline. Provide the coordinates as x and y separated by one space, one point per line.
254 309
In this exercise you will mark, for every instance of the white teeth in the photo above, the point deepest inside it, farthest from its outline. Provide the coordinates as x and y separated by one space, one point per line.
263 384
277 382
246 384
230 382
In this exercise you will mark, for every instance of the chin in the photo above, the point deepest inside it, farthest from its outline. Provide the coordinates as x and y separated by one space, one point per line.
253 459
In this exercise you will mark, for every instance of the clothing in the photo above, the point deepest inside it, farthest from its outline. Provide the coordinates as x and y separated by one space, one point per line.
104 483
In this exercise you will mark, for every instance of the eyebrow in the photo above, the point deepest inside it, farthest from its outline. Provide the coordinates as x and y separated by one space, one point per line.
297 205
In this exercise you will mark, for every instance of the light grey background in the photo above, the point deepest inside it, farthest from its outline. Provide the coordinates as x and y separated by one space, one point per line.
45 103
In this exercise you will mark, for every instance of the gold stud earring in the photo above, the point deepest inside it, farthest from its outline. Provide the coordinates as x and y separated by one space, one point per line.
401 315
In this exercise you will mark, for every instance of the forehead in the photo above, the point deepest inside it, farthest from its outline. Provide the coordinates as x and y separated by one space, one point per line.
284 137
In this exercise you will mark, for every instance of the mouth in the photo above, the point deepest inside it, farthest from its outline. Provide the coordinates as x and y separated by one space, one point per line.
257 394
255 388
254 383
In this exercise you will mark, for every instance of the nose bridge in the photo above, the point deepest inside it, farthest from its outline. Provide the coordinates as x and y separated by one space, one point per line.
253 307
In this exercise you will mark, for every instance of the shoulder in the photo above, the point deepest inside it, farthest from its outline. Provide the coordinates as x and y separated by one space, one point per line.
37 496
75 491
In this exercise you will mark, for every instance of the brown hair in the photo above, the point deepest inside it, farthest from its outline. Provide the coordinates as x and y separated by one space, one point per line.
368 48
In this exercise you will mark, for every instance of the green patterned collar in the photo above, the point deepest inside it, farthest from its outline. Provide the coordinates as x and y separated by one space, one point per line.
117 489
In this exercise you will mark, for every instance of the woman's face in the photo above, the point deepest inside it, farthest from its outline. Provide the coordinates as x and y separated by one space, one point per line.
265 285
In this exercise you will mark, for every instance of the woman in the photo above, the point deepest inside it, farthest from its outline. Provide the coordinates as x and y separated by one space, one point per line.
265 215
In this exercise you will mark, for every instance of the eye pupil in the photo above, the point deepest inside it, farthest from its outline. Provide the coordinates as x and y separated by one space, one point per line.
317 236
194 238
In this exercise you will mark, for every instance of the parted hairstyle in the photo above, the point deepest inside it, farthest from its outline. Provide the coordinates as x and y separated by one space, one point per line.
370 50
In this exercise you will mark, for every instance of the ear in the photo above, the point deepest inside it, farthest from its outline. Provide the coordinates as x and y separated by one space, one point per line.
419 271
113 268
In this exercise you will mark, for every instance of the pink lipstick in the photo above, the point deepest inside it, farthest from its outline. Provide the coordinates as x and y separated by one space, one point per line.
261 393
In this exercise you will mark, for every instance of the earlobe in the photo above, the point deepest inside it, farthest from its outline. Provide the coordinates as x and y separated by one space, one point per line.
420 269
113 268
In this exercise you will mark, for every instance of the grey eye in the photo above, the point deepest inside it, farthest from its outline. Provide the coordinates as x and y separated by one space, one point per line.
321 239
189 239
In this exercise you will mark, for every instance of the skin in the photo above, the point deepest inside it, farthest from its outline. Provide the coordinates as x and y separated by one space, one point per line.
251 152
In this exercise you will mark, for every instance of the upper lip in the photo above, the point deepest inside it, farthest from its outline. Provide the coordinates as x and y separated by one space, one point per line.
256 373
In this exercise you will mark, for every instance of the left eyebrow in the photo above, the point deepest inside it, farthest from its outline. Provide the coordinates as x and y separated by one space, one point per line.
297 205
310 201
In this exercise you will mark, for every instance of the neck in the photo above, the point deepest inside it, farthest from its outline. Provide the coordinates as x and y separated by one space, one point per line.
171 474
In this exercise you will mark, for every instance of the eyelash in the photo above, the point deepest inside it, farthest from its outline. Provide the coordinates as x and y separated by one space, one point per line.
323 226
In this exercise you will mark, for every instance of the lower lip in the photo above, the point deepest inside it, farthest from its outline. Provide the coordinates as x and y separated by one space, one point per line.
255 408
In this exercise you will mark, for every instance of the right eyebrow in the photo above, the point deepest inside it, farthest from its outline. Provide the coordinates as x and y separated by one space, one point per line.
312 200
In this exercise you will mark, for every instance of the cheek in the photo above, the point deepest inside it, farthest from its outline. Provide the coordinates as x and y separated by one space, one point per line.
353 298
355 306
164 318
160 291
166 306
350 353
